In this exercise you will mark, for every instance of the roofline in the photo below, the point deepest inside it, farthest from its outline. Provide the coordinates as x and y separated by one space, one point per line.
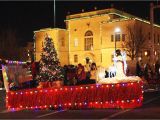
116 12
48 29
98 13
125 19
146 21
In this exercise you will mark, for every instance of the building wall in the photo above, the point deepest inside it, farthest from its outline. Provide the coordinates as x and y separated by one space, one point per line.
146 29
108 47
63 47
77 29
57 35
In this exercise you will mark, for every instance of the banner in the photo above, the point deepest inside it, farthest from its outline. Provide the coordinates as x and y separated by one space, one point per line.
15 75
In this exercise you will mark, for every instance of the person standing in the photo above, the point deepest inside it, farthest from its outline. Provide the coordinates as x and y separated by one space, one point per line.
80 74
157 70
138 69
93 73
146 71
87 68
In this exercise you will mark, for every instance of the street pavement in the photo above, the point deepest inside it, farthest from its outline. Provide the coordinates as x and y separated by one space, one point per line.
149 110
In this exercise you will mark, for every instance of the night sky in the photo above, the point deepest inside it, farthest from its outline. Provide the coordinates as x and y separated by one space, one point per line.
27 17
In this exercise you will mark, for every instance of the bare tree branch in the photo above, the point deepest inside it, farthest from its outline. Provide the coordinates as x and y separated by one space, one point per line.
136 39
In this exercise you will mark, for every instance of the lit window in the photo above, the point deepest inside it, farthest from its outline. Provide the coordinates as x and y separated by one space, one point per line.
147 53
155 52
88 40
76 58
76 42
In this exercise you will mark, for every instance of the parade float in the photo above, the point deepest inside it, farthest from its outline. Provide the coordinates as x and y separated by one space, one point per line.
120 91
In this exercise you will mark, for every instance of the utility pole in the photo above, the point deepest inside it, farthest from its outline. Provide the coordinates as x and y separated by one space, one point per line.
152 47
152 55
54 13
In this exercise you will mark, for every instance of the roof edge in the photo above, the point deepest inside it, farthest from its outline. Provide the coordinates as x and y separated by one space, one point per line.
48 29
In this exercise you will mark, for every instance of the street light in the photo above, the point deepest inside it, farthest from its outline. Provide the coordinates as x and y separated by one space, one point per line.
117 31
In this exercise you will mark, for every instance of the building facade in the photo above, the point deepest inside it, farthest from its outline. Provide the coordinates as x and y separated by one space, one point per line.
60 39
95 35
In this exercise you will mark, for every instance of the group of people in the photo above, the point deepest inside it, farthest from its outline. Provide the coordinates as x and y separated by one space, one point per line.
147 71
86 74
80 74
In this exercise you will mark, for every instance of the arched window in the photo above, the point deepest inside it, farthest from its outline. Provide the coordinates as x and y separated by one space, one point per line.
89 33
88 40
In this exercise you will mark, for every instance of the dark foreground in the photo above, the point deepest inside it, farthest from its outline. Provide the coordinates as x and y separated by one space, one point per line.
149 110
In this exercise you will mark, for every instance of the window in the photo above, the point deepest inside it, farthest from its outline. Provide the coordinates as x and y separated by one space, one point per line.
112 38
76 58
89 33
154 38
123 37
42 44
88 40
149 35
88 43
76 42
62 42
117 37
147 53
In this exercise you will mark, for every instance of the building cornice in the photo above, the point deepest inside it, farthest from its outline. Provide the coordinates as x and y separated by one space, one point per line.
48 29
112 11
97 13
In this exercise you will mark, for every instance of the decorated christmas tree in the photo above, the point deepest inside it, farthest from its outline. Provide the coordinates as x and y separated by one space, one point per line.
50 69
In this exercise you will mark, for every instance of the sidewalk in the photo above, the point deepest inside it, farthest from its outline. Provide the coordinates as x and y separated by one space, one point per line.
151 88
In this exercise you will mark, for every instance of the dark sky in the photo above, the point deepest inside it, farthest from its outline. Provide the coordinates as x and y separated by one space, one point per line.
27 17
